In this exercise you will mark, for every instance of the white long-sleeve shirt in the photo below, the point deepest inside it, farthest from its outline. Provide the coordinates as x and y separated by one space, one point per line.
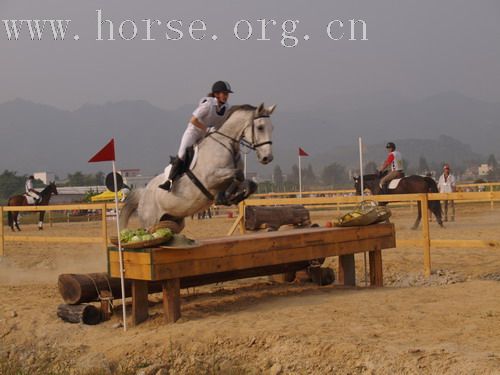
447 184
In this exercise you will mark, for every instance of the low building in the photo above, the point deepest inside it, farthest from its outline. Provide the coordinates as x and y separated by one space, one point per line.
74 194
45 177
483 170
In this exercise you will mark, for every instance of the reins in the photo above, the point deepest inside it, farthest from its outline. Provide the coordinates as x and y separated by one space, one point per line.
242 141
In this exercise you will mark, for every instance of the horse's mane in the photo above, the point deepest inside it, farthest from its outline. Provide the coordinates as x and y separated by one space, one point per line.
47 187
370 177
242 107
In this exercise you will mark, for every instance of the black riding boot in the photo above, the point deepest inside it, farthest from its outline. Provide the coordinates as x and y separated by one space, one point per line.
384 189
175 171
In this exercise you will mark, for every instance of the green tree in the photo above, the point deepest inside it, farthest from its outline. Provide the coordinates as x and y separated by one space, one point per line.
423 166
278 178
370 167
308 176
10 184
293 177
334 175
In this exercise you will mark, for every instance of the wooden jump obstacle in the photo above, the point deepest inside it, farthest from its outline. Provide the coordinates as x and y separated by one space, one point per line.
242 253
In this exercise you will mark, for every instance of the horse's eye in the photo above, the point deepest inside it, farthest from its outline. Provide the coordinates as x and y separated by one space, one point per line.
260 128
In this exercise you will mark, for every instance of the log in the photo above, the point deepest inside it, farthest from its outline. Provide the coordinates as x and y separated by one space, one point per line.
274 217
87 314
81 288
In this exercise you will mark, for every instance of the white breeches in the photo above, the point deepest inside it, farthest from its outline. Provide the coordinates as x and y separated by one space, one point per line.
191 135
189 138
33 194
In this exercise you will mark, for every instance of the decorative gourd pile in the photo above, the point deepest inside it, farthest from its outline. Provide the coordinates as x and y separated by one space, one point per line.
128 236
366 213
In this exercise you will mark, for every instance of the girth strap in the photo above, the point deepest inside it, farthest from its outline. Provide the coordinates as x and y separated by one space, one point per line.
199 185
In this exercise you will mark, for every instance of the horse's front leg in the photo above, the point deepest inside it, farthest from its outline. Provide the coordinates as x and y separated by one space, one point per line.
40 220
419 216
239 191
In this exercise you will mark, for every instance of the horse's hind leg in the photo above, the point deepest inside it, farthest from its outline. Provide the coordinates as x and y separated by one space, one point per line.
16 221
419 216
435 207
40 220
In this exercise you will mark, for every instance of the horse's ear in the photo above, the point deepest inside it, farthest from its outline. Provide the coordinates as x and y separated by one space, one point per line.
259 111
271 109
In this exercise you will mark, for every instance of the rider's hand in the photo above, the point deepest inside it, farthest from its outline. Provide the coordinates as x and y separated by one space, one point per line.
210 129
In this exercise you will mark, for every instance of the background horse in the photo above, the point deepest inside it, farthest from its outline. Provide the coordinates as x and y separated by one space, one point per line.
218 167
21 200
408 185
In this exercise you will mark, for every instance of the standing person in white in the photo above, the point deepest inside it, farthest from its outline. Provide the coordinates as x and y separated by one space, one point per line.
448 184
210 113
30 190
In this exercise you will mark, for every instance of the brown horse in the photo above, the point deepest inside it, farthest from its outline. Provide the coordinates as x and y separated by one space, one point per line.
21 200
408 185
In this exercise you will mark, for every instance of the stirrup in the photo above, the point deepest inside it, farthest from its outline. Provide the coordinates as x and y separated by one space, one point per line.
167 185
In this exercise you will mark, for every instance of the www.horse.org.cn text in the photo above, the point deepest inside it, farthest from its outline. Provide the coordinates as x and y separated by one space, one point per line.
286 32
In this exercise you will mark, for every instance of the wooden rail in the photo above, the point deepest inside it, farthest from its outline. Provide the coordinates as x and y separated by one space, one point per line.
102 239
424 199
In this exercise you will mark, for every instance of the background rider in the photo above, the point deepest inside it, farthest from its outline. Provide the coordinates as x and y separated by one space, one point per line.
30 190
394 162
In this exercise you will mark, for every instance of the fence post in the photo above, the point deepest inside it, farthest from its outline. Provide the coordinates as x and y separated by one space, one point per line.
424 202
104 227
1 232
491 197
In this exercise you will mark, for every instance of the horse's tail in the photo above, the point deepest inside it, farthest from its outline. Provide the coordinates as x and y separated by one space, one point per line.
131 204
431 184
435 206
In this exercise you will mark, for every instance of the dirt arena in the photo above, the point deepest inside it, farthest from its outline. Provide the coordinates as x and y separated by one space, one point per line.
447 324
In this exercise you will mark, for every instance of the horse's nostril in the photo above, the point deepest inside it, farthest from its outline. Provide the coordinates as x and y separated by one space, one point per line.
264 159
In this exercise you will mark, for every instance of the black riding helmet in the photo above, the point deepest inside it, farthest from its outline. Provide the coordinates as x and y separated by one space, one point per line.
221 86
391 145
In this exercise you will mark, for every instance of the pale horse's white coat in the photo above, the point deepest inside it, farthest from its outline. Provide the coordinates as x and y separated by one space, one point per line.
215 168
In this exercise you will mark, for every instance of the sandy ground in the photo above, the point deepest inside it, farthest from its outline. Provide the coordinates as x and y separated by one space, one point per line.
448 324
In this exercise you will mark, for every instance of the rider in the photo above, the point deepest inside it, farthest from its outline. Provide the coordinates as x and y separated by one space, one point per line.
395 161
30 190
209 114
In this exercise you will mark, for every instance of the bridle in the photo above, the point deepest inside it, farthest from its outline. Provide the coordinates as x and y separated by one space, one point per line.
251 145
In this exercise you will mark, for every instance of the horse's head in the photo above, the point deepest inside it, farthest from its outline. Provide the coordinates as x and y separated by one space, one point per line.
52 188
259 133
370 182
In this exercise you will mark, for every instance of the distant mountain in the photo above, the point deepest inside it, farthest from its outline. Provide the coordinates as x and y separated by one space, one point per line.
446 127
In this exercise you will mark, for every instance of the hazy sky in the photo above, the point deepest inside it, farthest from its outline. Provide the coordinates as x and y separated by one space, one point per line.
414 48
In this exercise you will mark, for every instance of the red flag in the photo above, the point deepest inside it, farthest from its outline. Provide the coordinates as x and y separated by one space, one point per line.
302 152
107 153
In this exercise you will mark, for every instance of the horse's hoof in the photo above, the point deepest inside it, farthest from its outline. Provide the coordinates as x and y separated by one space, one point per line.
40 228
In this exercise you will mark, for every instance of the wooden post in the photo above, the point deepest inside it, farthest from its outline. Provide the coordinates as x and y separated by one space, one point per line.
376 273
104 228
139 301
241 209
425 233
1 232
171 300
491 197
236 224
347 270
